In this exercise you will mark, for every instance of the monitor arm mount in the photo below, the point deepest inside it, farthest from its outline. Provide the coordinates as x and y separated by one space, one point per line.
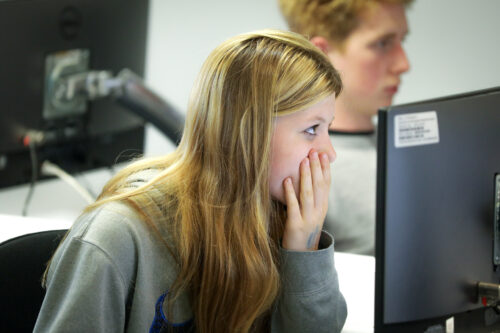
489 295
128 90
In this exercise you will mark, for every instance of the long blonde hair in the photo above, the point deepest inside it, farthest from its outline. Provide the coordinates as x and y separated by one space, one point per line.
212 193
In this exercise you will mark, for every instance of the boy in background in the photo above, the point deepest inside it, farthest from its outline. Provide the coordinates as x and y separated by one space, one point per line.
363 40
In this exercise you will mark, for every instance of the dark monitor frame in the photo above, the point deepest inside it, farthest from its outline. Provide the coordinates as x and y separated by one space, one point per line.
471 317
104 133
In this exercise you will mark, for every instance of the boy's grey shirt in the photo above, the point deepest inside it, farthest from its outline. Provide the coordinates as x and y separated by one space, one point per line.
111 274
351 206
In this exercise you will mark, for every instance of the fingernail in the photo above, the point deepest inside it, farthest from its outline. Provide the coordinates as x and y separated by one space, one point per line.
314 155
306 161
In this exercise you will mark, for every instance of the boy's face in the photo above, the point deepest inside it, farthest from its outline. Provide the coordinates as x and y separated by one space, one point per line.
293 138
372 59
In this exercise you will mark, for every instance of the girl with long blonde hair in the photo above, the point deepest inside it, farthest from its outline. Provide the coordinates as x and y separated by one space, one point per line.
224 234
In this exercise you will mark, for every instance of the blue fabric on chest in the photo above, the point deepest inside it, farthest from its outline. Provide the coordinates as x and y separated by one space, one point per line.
162 325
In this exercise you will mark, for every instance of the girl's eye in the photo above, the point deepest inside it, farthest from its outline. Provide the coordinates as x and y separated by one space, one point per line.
311 130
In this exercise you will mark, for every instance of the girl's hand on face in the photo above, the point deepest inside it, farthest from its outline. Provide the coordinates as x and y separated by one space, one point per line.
306 213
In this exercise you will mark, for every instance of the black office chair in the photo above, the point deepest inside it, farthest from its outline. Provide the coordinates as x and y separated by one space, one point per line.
22 262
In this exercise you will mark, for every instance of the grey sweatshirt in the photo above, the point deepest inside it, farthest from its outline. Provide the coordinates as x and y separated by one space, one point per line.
111 274
351 207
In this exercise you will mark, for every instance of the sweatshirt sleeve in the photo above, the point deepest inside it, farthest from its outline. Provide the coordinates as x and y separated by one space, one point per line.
310 299
85 292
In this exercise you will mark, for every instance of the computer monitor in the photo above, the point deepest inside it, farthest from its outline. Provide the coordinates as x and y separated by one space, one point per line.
437 214
42 41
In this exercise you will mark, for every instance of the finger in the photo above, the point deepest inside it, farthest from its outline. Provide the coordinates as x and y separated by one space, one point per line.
306 189
325 166
316 174
323 191
292 204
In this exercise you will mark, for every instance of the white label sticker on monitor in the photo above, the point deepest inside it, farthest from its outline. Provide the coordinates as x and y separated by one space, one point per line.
416 129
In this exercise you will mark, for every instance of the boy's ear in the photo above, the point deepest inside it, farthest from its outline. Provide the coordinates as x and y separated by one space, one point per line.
321 43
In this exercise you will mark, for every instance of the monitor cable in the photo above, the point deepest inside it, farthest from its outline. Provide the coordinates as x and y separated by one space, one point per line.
27 141
50 169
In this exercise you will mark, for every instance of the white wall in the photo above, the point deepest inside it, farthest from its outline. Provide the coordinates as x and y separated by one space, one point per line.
453 47
183 33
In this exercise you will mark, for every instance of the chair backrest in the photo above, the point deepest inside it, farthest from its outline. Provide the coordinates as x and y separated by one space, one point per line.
22 262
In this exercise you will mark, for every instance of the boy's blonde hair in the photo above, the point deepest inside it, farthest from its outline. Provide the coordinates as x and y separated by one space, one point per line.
331 19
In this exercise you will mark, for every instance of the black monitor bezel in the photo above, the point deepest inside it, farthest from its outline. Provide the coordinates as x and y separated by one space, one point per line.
464 321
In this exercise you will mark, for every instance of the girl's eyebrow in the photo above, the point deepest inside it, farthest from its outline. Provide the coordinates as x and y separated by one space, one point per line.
320 119
323 120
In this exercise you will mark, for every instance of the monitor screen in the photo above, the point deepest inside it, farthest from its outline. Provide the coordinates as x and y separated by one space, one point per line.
438 163
43 41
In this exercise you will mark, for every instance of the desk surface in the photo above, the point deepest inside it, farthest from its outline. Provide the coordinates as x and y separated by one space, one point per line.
12 225
356 272
357 284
